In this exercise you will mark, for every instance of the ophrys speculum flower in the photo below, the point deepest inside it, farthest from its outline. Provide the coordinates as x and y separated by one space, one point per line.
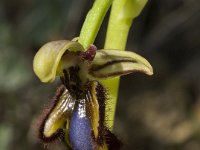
78 110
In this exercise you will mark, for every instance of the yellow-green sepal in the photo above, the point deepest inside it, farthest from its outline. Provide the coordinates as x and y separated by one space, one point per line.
113 63
46 63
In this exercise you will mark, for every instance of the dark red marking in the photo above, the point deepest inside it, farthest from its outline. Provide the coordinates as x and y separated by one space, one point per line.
101 97
89 54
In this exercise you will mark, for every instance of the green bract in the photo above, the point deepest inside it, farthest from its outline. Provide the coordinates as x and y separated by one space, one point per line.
54 57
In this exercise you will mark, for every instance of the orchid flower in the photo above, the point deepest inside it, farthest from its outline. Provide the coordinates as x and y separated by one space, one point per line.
78 110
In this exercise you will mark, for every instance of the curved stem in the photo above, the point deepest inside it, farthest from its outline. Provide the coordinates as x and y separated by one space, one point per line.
122 14
93 22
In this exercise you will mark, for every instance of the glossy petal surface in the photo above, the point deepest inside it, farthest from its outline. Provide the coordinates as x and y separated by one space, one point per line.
58 114
80 132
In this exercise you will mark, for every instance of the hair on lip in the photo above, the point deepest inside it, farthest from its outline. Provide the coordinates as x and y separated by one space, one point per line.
98 94
112 141
59 134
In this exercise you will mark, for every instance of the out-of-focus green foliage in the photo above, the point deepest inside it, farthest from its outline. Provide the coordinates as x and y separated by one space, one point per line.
6 136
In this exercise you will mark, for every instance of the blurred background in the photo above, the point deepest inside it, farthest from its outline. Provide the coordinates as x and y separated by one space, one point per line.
161 112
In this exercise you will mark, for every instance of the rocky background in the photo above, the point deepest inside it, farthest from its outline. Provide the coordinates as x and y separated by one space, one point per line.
161 112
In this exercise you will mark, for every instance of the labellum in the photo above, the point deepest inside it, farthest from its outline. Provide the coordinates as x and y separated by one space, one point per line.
78 111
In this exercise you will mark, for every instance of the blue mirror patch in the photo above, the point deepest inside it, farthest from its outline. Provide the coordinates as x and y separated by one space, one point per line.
80 132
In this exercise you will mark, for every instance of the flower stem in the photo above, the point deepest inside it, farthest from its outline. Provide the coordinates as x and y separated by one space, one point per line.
93 22
122 14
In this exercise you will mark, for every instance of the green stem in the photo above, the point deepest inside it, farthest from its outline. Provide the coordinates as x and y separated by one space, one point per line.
122 14
93 22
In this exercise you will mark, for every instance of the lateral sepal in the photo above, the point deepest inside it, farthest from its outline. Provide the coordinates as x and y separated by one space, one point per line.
112 63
